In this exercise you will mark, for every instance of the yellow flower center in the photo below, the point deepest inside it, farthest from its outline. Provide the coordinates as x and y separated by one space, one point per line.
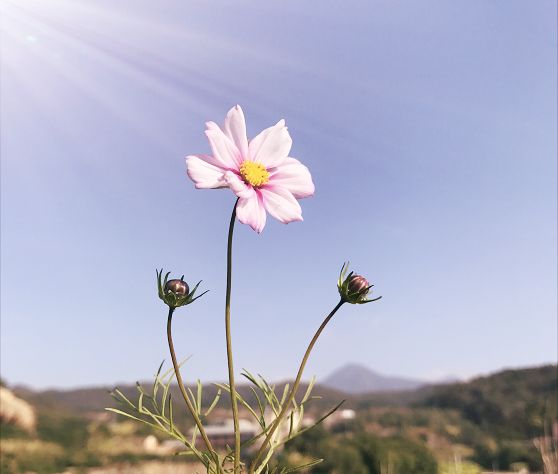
254 173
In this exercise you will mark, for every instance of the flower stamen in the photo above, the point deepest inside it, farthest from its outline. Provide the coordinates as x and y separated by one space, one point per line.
254 173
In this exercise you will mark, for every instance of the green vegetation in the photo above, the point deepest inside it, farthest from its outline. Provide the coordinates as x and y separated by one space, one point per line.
360 453
511 404
68 431
59 442
502 414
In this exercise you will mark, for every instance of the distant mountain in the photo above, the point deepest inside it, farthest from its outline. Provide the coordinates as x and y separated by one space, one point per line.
357 379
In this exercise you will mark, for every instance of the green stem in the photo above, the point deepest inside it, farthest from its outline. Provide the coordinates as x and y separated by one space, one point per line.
234 403
292 394
185 394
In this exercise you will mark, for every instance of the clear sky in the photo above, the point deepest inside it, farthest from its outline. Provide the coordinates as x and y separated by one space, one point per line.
430 131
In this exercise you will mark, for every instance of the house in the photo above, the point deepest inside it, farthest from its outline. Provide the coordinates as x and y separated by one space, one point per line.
221 434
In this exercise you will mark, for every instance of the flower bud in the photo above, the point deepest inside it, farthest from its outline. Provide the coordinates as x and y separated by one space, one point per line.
178 287
175 293
353 288
358 284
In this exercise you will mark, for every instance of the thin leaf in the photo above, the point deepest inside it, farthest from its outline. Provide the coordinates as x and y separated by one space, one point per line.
303 466
300 417
156 382
171 420
250 377
128 415
291 423
199 395
194 435
193 400
308 390
261 407
123 397
264 462
239 398
213 403
329 413
285 393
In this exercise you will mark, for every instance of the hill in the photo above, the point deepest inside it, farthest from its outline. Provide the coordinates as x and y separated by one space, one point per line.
511 403
358 379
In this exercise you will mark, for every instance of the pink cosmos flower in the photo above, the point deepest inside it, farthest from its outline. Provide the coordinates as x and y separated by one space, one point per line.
260 171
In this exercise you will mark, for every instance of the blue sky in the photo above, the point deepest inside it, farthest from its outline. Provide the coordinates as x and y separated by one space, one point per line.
430 131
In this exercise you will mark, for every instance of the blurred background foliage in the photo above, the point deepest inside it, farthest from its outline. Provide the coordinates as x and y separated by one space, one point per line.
487 424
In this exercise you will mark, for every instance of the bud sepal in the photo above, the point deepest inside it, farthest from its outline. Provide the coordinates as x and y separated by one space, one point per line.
175 293
353 288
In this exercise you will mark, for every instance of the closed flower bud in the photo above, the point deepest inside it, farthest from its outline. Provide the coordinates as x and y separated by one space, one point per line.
175 293
358 284
178 287
353 288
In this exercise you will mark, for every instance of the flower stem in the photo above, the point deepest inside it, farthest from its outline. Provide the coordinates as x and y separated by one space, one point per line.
234 404
185 394
292 394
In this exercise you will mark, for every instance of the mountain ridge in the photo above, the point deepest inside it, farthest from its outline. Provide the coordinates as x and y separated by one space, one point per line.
358 379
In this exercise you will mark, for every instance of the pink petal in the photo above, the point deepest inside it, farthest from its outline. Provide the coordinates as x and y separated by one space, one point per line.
203 173
281 204
212 126
271 146
225 152
293 176
237 185
235 128
250 210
